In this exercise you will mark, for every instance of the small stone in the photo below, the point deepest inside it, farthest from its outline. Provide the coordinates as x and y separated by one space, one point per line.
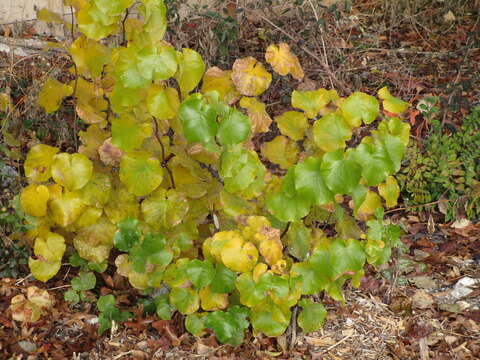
27 346
422 300
449 339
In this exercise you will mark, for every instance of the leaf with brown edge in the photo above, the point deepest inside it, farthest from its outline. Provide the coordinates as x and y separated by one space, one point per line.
283 61
256 110
250 76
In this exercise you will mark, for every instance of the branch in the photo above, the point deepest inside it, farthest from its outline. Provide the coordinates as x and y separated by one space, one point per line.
164 158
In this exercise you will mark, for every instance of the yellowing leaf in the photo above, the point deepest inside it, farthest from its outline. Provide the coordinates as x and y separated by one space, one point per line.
52 94
211 301
164 208
43 270
50 248
281 151
66 209
258 271
391 103
94 242
38 164
91 107
313 101
34 200
162 102
283 61
216 79
292 124
271 250
49 251
257 112
5 103
331 132
140 172
190 70
92 139
73 171
88 217
239 257
128 133
121 205
250 76
371 203
390 191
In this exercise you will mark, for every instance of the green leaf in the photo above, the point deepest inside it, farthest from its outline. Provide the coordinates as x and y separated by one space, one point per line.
128 134
224 280
157 63
229 326
163 307
331 132
198 120
379 157
77 261
190 70
106 304
140 172
84 281
150 251
250 293
287 204
292 124
71 296
127 234
164 209
312 316
310 183
240 168
234 126
311 282
342 174
390 191
195 323
298 240
200 273
358 107
186 301
270 318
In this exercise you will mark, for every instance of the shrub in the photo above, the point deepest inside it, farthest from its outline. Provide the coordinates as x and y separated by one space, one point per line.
446 166
168 174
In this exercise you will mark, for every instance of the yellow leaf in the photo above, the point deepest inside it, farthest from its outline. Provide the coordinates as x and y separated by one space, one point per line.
211 301
5 103
271 250
258 271
369 205
281 151
50 248
216 79
238 255
313 101
66 209
92 139
52 94
34 200
390 191
283 61
257 113
121 205
73 171
91 107
94 242
90 56
43 270
39 162
292 124
250 76
88 217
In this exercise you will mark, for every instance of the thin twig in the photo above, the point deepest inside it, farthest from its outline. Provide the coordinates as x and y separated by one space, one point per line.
284 232
75 85
124 34
415 206
164 158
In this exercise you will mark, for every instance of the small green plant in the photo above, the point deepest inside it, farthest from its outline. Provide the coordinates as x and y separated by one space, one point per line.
109 313
447 166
